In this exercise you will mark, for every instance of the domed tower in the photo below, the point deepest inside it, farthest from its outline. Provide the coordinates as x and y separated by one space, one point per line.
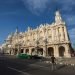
61 37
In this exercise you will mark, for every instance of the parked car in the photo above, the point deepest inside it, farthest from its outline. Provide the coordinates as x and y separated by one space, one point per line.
36 57
24 56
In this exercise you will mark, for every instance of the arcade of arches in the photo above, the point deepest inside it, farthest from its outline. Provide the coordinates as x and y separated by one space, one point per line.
56 51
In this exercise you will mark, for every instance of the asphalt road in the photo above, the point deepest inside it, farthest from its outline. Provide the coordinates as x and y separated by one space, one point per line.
14 66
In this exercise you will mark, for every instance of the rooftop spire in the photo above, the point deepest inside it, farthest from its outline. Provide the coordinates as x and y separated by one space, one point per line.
16 30
29 28
58 18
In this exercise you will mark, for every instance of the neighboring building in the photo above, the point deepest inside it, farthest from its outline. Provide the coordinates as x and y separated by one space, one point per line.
45 40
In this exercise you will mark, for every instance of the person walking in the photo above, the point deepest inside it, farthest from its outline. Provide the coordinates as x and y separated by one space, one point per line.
53 59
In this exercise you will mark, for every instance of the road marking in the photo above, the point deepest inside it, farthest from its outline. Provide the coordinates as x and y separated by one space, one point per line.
19 71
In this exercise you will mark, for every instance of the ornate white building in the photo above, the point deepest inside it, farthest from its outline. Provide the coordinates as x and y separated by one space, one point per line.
45 40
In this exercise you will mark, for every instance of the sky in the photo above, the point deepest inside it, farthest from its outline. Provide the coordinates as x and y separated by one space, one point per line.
32 13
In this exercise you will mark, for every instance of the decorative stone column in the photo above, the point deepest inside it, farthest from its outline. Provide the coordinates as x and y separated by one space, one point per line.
57 34
44 51
56 51
12 52
30 51
24 51
62 34
67 53
52 34
66 34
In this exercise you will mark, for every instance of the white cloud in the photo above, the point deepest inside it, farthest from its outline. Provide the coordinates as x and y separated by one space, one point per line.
66 4
70 19
36 6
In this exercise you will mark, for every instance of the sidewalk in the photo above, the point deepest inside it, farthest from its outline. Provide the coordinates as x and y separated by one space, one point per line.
65 61
68 61
9 56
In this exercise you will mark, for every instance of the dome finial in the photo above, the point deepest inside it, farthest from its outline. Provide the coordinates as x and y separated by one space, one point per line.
58 18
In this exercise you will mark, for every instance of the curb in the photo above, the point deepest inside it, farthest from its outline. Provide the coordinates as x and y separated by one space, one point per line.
71 64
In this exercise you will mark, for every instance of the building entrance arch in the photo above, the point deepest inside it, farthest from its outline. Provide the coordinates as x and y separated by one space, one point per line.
50 51
27 51
33 51
15 51
61 51
40 51
21 51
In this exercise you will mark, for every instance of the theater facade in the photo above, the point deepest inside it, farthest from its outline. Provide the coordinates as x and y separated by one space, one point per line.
46 40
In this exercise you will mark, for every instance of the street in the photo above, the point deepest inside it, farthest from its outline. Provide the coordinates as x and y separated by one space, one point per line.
16 66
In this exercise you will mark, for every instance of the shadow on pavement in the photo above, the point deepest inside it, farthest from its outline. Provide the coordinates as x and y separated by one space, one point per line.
60 67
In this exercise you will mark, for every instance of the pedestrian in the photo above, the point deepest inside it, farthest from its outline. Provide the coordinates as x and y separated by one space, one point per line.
53 59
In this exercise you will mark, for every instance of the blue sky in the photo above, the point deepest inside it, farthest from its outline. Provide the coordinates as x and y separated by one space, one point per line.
24 13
